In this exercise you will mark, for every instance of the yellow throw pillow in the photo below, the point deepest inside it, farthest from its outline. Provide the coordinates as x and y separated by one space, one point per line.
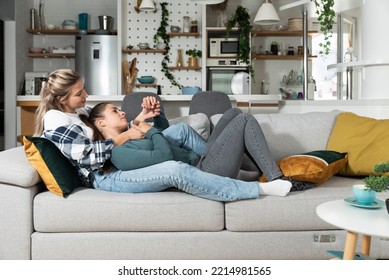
313 167
364 139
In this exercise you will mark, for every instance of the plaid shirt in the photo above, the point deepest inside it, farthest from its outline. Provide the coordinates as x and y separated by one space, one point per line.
86 155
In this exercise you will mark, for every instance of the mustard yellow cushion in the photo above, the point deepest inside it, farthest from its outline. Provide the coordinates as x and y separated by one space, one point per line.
364 139
56 171
313 167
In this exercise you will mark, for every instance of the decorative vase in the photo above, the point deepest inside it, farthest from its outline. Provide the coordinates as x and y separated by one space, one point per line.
180 62
193 62
363 195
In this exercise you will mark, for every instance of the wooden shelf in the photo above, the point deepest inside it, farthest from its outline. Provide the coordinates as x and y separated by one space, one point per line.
179 68
143 51
187 34
279 57
285 33
146 85
51 55
58 31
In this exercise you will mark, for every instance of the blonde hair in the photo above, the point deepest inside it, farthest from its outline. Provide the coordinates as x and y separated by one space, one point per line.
55 89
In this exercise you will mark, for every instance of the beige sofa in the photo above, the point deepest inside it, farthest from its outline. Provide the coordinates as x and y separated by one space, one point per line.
92 224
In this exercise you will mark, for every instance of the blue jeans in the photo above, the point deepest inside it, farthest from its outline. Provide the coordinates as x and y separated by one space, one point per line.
182 135
183 176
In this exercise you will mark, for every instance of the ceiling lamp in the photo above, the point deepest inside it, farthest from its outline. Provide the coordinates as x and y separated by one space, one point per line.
147 6
208 2
266 14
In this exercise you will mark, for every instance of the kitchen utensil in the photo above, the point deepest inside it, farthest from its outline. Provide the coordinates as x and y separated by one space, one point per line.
133 66
146 79
190 90
143 46
106 22
35 50
83 21
175 28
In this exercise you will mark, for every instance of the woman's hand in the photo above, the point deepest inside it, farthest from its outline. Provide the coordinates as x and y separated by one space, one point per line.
142 127
150 108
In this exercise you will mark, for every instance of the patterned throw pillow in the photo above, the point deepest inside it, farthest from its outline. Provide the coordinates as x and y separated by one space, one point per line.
56 171
313 167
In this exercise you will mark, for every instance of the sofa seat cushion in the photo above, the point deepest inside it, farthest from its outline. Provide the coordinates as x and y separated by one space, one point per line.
90 210
296 211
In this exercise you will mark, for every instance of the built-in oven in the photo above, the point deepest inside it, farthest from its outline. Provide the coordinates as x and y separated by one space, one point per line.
228 76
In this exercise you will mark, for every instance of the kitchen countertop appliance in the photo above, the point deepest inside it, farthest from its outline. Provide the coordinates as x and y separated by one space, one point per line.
228 75
96 57
33 82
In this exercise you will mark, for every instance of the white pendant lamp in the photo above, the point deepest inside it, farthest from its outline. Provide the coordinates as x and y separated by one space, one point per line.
266 14
147 6
208 2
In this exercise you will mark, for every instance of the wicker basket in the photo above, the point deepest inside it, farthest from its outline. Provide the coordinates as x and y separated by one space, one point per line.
295 24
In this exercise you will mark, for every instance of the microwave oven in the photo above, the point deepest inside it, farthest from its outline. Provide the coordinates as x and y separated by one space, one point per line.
223 47
33 82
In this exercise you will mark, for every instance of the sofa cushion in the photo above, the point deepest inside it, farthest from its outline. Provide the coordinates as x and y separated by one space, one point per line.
364 139
56 171
296 211
91 210
292 134
199 122
314 167
16 170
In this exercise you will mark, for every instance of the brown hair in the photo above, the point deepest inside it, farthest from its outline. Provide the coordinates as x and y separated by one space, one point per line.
55 89
94 114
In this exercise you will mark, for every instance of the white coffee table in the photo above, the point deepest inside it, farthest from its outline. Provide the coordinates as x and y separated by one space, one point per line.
355 220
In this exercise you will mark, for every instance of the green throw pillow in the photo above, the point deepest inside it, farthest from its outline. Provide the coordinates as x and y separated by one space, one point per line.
56 171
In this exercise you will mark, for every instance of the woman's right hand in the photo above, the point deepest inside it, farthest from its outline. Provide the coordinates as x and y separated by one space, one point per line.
142 127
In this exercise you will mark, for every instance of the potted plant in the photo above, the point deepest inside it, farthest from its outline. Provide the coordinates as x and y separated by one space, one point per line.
193 57
326 17
241 18
379 182
162 37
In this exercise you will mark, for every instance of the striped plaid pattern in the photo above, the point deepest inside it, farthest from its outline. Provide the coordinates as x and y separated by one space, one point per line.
86 155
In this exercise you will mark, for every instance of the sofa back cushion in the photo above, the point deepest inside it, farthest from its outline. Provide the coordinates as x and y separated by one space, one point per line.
292 134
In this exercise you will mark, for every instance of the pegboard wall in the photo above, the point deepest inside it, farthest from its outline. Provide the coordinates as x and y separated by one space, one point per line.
142 26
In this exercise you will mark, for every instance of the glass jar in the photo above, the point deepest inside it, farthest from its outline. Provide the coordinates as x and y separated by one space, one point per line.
274 48
290 50
186 24
194 26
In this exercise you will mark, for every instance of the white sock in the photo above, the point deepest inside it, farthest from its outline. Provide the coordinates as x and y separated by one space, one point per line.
277 187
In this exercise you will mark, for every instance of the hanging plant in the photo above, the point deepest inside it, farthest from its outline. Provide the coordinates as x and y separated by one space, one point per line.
162 35
326 18
242 19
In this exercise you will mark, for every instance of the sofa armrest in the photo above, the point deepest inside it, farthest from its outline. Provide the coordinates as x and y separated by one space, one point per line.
19 183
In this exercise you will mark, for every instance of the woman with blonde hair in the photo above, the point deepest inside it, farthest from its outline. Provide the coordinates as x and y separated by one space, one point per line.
63 94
